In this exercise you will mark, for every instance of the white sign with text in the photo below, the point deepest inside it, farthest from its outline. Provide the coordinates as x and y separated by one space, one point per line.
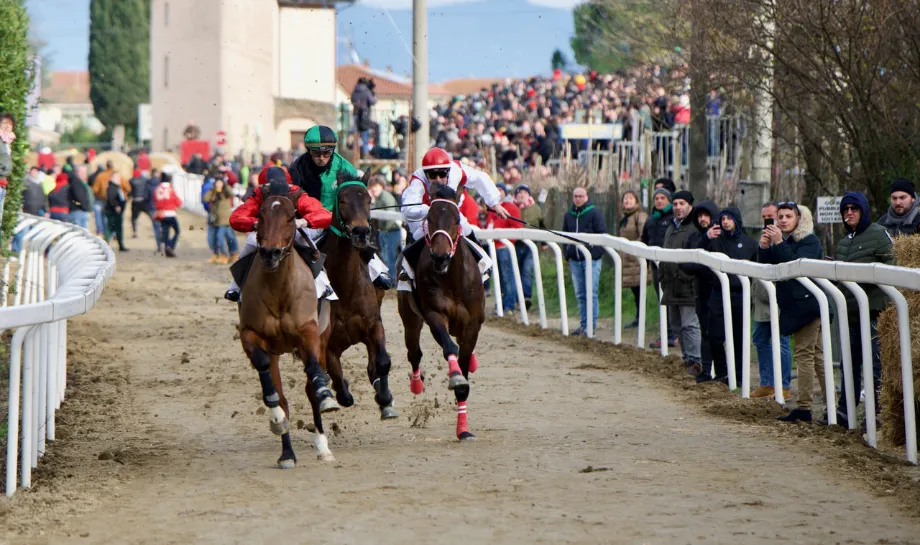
828 210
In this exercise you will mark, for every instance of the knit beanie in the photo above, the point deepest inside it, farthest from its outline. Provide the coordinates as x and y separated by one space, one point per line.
685 195
662 191
903 184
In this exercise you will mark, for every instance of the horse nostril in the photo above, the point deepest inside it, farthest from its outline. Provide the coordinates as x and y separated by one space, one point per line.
276 253
362 232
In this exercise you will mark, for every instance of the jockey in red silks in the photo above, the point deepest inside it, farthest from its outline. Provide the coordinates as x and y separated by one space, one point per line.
439 168
313 218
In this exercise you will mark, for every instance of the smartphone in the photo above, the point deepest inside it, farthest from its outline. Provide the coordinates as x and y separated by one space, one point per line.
767 222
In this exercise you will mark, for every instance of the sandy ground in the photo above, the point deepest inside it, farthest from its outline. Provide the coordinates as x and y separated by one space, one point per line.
163 440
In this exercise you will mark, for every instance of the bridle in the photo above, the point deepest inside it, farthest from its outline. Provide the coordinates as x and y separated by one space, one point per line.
453 241
286 250
345 232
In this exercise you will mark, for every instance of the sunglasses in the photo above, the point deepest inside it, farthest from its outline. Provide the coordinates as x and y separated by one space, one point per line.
320 153
850 208
438 173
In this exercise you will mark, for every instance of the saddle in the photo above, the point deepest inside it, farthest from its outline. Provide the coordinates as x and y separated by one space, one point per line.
314 259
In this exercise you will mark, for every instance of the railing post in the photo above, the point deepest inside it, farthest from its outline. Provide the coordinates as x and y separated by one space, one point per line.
496 281
846 358
729 332
643 293
907 371
518 286
538 280
560 286
826 347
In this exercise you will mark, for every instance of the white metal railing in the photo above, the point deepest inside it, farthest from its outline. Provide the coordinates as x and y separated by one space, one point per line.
819 277
60 273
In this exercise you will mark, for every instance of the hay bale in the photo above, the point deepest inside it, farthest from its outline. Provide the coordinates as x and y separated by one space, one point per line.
123 164
891 402
160 159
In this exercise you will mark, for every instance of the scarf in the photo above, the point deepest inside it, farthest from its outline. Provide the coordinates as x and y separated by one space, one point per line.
907 219
7 137
658 213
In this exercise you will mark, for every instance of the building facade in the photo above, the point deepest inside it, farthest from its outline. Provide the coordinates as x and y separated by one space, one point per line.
244 68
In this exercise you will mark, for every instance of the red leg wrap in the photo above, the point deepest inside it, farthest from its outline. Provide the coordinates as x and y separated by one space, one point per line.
452 365
474 363
415 382
462 426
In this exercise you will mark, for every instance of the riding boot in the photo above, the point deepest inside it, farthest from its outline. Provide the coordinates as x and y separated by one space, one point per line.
377 269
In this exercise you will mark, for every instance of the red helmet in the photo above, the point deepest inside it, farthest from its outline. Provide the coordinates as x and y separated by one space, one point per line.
436 158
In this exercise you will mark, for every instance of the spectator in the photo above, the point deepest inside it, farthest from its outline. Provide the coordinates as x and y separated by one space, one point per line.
362 99
679 287
792 238
703 216
533 215
114 211
59 198
866 242
166 202
387 231
584 217
762 338
503 254
400 183
725 237
653 235
631 226
220 201
141 200
100 185
902 217
7 136
81 196
34 200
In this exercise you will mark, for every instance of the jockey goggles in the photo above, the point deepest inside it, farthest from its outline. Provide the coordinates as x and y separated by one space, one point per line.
436 173
325 151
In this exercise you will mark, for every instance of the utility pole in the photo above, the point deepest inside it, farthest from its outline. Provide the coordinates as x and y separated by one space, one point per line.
420 77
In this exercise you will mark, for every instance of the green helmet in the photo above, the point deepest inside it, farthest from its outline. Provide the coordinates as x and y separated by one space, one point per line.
320 137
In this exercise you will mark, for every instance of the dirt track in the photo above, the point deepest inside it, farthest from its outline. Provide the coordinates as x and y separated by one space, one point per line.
162 441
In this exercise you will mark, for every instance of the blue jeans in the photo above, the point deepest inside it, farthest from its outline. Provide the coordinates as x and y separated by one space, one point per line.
18 237
215 244
506 275
80 218
525 263
389 249
60 216
764 347
166 225
581 291
226 238
98 210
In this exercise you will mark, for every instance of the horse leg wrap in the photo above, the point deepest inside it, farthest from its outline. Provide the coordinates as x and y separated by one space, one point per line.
262 363
452 365
457 380
474 363
416 385
463 428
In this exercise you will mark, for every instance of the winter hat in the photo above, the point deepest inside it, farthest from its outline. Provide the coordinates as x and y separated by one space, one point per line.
683 194
662 191
522 187
903 184
857 198
667 183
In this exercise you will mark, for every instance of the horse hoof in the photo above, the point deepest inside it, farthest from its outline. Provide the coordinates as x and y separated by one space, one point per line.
457 380
329 405
388 413
474 363
325 457
346 400
278 423
286 464
466 436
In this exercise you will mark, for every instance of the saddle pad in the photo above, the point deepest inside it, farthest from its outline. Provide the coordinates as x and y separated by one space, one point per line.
314 260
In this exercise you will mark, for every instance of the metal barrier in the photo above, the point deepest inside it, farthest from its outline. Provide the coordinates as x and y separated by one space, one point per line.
817 276
62 270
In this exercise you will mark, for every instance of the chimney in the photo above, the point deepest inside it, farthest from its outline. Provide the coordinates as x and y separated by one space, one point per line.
367 63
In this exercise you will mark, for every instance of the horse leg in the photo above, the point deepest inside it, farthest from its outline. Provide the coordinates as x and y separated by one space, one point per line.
263 363
316 375
467 357
437 323
319 441
378 372
412 324
337 376
287 459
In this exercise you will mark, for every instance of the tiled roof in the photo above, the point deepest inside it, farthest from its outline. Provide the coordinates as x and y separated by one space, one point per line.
389 84
67 88
468 86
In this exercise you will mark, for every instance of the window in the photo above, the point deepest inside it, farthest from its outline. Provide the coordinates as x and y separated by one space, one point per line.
166 14
166 71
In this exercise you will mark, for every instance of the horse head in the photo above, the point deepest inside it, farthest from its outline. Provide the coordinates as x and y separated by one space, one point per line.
443 219
275 232
351 215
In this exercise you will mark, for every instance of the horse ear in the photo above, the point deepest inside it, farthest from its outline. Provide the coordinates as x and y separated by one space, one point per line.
366 178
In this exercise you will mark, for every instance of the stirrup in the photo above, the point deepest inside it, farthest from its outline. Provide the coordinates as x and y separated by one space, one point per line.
383 281
232 295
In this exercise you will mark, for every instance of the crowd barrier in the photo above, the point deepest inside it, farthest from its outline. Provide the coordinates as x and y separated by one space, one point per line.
60 272
821 278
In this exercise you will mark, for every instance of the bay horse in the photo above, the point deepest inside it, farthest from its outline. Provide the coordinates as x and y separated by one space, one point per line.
355 316
279 314
449 297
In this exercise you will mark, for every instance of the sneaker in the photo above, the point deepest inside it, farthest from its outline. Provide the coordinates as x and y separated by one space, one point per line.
580 332
383 282
214 259
842 420
796 415
703 377
787 393
655 344
232 295
528 303
123 250
632 324
694 369
170 252
673 342
762 391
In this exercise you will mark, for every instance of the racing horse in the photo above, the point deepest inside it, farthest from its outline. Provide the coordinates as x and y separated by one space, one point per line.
280 314
448 296
355 316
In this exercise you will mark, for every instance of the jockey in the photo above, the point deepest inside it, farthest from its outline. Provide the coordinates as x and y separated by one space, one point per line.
313 218
317 172
439 168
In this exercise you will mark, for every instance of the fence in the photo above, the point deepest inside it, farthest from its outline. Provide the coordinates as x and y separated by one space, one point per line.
817 276
60 272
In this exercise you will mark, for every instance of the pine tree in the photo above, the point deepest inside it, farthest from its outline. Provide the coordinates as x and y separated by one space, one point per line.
15 83
119 59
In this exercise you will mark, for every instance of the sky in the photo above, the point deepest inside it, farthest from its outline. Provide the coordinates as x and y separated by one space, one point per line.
467 38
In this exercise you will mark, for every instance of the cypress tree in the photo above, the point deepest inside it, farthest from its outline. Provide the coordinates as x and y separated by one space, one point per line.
119 59
15 83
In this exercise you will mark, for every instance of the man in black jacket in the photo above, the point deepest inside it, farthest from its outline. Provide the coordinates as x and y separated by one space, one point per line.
81 196
584 217
903 216
725 237
703 216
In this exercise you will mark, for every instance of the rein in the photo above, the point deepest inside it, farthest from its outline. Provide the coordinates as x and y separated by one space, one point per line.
344 232
430 236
